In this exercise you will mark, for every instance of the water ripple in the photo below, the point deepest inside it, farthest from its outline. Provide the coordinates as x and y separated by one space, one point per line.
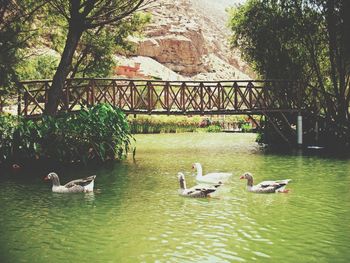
136 215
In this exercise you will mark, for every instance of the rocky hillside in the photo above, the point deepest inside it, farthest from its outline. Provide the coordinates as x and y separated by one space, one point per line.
190 37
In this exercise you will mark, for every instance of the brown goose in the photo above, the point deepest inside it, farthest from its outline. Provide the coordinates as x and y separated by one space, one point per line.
266 186
197 191
83 185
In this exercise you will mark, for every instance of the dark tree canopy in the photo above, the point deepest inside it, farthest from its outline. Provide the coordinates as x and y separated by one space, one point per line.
15 33
305 40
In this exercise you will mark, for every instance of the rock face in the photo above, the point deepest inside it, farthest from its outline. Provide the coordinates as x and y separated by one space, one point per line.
190 37
177 52
173 39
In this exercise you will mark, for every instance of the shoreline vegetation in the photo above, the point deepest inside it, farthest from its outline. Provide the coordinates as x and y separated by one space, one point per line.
96 135
144 124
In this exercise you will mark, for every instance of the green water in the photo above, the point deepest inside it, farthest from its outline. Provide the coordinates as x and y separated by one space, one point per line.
136 215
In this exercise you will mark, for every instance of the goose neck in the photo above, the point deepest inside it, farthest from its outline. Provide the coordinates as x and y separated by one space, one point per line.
199 170
250 182
56 181
182 183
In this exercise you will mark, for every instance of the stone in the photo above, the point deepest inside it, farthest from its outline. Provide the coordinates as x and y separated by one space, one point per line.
190 37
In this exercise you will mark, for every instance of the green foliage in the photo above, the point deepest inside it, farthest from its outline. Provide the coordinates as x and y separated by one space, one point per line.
100 133
176 124
8 125
16 33
260 138
301 40
94 56
52 28
246 127
39 67
134 26
270 36
163 124
21 35
8 57
213 128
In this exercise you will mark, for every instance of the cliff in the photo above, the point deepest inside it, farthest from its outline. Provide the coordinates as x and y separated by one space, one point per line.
190 38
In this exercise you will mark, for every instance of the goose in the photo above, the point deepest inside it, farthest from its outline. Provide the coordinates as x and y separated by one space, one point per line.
83 185
197 191
266 186
211 178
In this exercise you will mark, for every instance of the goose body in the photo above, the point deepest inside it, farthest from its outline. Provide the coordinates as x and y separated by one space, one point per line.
83 185
198 191
265 186
210 178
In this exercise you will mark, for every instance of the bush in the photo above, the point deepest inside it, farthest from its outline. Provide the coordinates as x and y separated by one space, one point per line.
38 67
246 127
213 128
260 138
163 124
99 133
8 125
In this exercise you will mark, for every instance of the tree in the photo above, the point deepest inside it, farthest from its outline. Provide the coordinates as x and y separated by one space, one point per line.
15 34
81 16
306 40
94 56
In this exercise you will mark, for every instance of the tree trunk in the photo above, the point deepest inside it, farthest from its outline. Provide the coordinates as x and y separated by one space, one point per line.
55 91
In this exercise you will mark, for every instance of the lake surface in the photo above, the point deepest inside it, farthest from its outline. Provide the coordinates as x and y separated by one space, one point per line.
136 215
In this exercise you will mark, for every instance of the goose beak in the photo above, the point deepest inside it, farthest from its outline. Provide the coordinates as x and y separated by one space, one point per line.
242 177
46 178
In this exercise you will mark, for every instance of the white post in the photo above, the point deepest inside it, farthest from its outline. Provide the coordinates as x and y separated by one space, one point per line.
300 130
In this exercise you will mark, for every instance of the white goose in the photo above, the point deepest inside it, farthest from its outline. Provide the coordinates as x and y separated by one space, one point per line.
266 186
83 185
197 191
211 178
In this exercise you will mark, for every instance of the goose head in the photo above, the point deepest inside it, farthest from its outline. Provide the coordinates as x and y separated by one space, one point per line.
198 167
249 178
182 180
54 178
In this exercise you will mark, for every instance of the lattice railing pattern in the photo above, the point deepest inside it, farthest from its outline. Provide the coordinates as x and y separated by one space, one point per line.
166 97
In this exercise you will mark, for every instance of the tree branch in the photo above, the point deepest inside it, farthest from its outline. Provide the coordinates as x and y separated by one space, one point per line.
139 4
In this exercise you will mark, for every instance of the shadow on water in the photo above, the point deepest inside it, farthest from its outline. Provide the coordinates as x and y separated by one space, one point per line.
321 152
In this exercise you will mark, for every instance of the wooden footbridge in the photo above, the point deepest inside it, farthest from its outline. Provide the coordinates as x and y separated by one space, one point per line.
248 97
166 97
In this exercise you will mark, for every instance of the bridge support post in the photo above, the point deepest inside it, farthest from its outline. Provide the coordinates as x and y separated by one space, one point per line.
316 132
300 130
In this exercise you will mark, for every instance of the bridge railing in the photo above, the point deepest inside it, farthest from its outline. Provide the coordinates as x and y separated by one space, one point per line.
165 97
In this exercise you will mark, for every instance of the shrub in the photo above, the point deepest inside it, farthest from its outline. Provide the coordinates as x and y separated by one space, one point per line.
213 128
8 125
163 124
99 133
246 127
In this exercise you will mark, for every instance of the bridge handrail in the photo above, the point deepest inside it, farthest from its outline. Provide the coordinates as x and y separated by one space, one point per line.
163 96
164 81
